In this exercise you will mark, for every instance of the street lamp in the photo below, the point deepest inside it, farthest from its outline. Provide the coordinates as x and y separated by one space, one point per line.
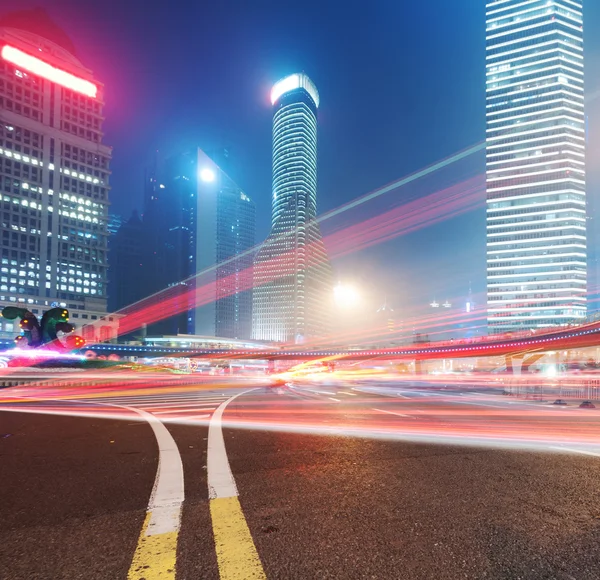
207 175
345 296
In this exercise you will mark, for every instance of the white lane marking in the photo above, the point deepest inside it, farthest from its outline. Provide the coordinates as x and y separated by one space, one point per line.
160 400
373 391
170 411
571 450
315 391
220 478
184 419
183 405
393 413
473 403
333 399
345 393
167 494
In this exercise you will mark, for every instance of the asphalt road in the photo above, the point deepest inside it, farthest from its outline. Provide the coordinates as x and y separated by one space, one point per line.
363 481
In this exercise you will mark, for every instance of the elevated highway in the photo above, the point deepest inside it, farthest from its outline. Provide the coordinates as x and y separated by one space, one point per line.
586 335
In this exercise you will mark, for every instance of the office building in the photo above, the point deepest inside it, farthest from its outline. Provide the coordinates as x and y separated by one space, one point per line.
200 228
536 195
126 282
54 172
293 286
224 254
170 238
115 221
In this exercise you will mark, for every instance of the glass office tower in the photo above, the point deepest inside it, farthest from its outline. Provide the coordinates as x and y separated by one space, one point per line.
536 203
292 275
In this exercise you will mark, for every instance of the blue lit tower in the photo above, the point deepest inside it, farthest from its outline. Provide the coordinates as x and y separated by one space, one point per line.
292 276
536 202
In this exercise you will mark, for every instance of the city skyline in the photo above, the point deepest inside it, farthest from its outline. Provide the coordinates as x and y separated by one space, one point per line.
373 288
390 280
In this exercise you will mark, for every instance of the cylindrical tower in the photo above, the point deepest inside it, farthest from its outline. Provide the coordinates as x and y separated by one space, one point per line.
295 100
292 275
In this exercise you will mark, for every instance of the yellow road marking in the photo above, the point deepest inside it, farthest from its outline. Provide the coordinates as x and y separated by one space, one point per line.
156 551
236 553
154 557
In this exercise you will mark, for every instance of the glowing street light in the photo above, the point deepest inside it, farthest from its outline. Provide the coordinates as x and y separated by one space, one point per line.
207 175
346 296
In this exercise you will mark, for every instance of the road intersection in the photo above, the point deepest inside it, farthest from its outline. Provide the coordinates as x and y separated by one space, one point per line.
239 480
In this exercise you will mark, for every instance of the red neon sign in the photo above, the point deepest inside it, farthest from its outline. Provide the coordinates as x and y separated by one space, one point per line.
47 71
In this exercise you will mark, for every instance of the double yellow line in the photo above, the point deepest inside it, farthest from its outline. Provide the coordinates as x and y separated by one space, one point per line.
156 552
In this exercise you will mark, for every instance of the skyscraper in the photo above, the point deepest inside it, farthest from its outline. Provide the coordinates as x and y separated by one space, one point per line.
536 202
197 220
292 276
126 255
226 236
54 173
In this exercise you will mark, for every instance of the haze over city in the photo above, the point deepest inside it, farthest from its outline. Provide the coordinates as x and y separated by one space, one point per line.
299 291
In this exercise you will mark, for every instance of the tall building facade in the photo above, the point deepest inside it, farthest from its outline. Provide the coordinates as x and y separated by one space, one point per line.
170 218
536 195
54 176
200 230
293 285
226 236
126 256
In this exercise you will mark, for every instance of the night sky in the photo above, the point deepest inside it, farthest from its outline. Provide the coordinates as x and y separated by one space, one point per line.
401 85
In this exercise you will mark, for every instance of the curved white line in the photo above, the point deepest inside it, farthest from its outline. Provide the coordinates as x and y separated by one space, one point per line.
220 479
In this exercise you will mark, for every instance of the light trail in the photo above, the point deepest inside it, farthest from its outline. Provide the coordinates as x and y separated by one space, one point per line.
422 212
455 417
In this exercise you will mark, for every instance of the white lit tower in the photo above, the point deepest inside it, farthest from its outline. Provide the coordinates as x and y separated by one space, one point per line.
293 285
536 202
54 173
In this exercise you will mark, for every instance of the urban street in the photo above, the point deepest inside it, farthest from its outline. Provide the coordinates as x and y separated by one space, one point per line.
299 291
369 480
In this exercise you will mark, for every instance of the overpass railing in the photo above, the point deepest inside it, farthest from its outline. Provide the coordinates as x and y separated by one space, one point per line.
541 389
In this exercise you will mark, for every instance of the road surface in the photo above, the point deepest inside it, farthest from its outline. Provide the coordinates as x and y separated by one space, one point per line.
318 481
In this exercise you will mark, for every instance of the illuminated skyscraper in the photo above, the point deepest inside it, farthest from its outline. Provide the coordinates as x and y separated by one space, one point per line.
226 236
536 202
200 228
292 276
54 173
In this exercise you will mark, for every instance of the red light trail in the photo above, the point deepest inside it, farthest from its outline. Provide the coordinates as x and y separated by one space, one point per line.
408 217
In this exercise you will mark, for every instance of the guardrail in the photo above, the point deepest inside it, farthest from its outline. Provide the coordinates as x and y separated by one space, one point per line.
568 387
57 382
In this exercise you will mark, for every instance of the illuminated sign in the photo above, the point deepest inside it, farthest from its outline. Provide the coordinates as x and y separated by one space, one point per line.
42 69
291 83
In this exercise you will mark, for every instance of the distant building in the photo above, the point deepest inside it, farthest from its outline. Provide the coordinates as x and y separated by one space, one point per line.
536 192
386 315
115 221
170 214
293 284
126 256
54 176
226 236
197 220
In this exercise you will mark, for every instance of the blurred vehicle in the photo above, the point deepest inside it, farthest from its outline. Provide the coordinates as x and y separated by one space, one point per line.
277 382
560 402
587 405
